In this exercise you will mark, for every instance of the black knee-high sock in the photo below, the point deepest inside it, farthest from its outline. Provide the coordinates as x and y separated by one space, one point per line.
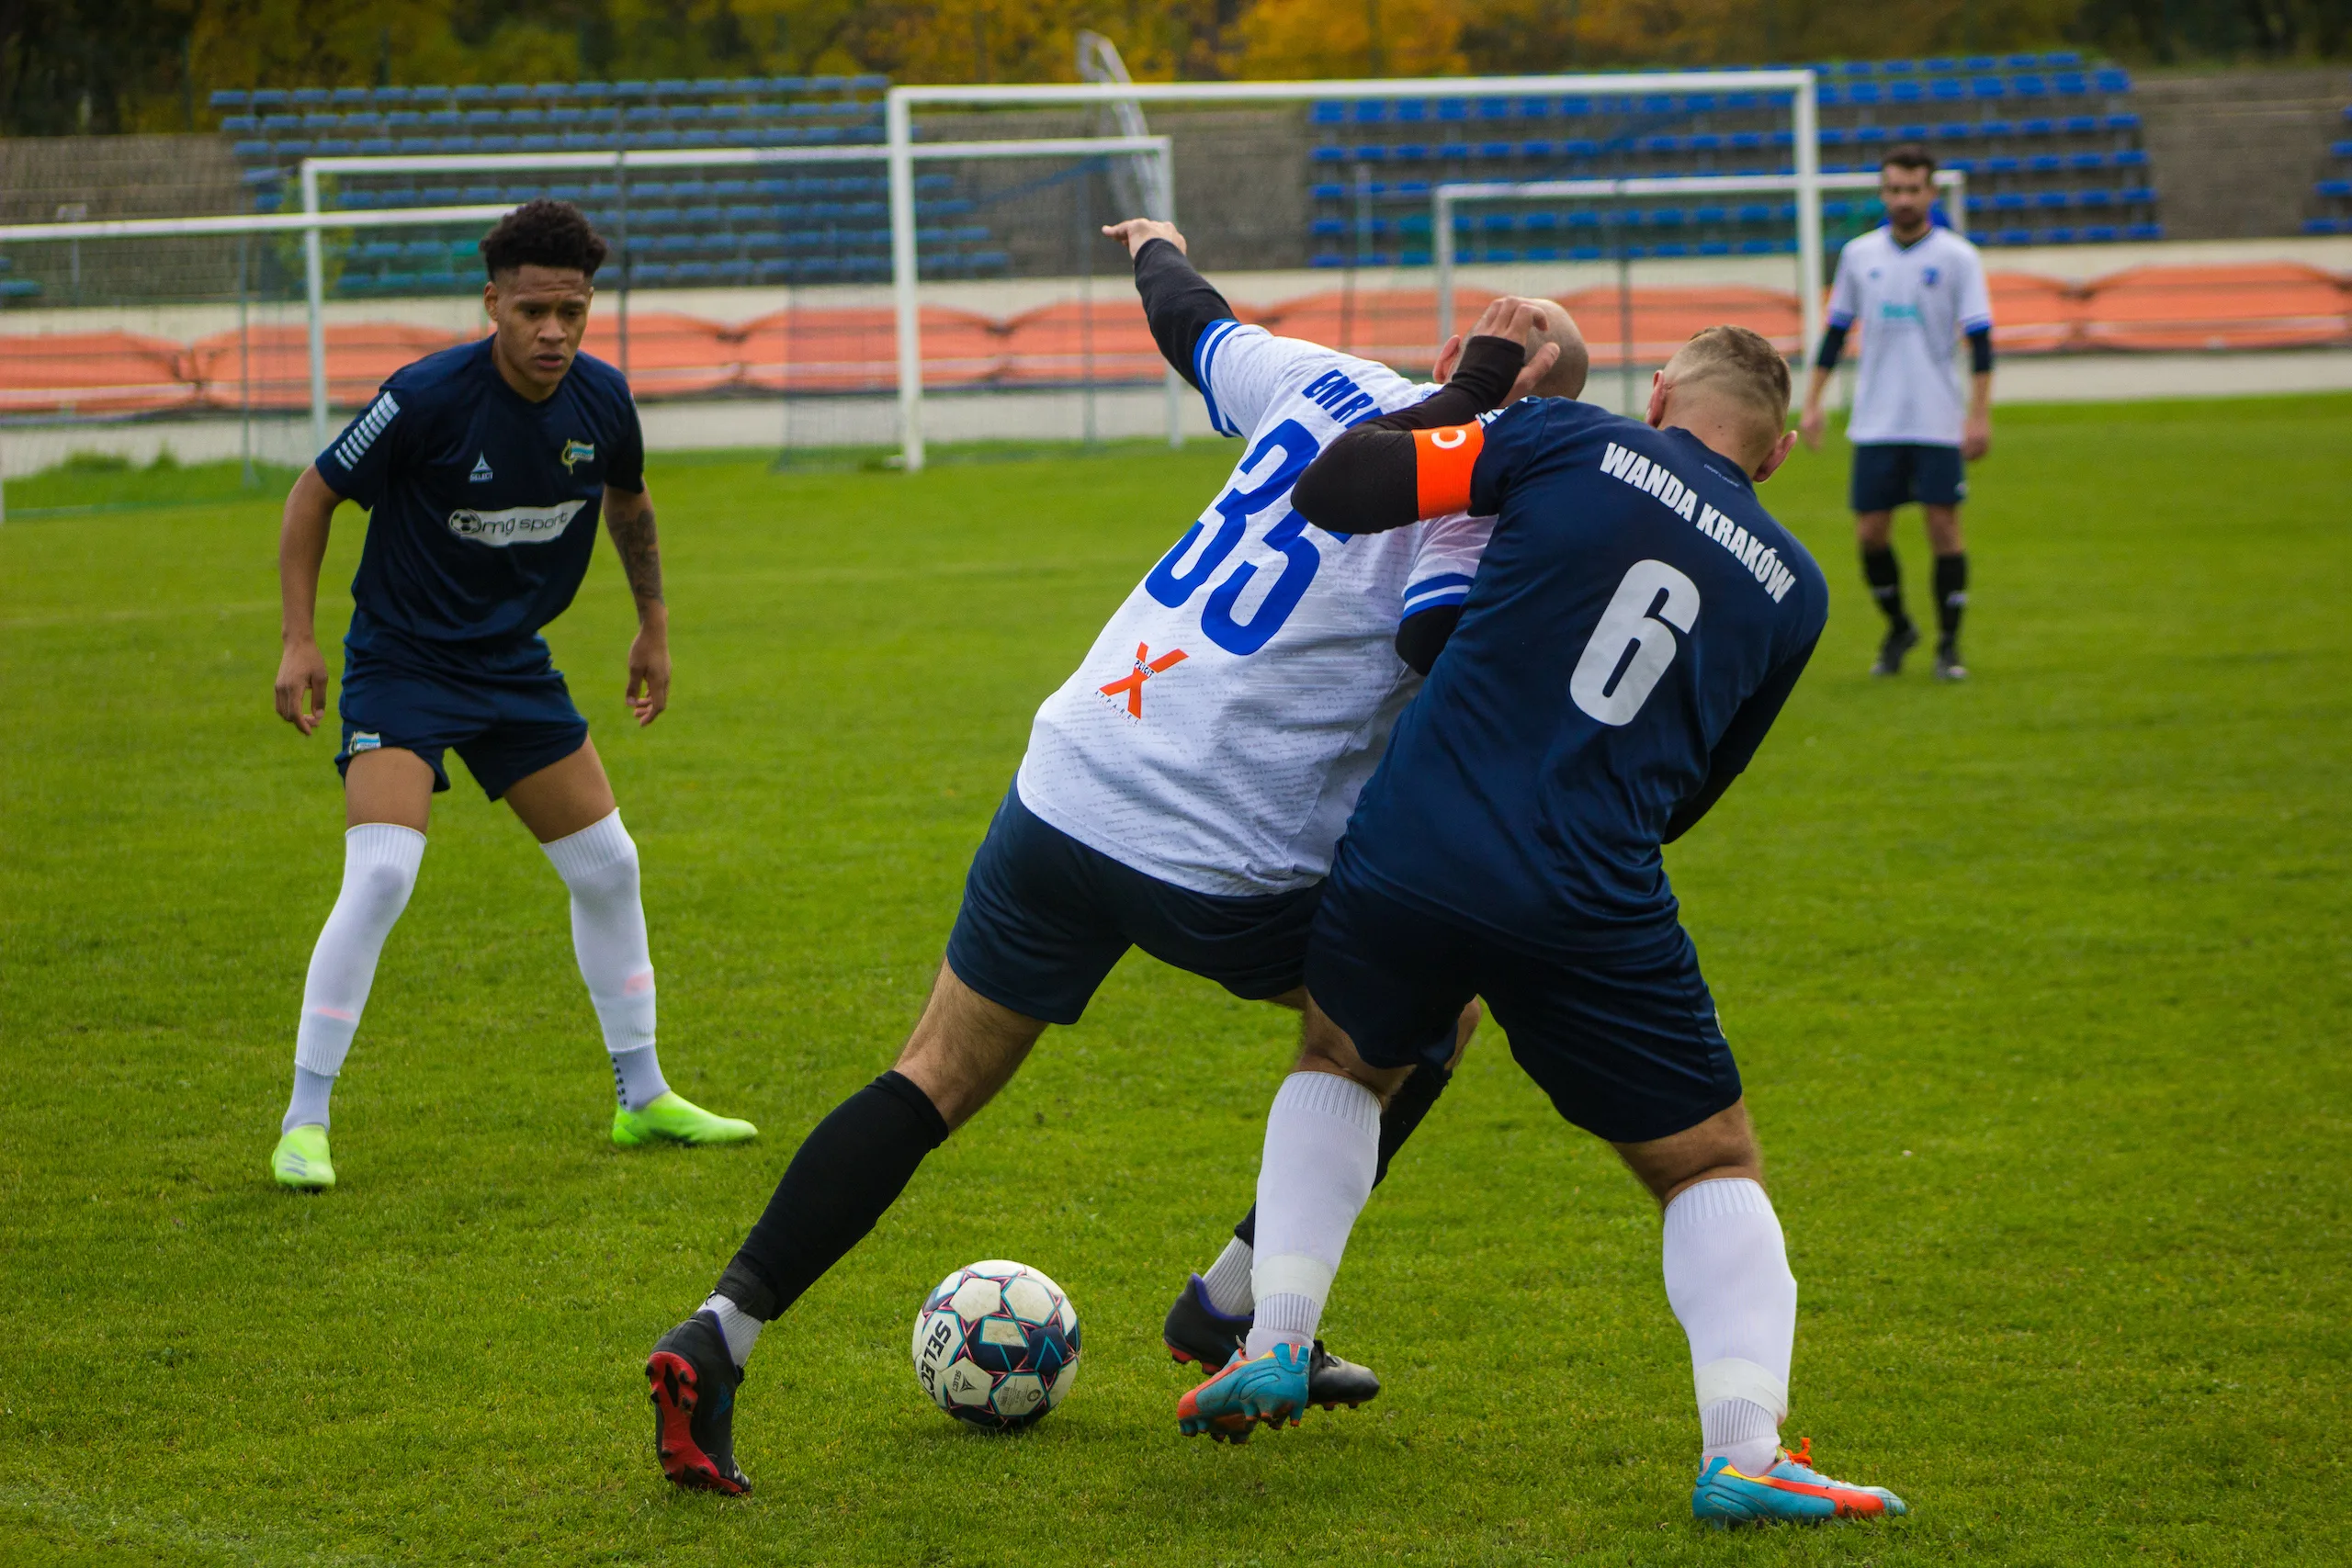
1414 1097
849 1170
1951 593
1886 584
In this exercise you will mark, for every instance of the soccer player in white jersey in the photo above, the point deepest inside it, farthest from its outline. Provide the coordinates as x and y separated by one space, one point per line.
1182 793
1916 289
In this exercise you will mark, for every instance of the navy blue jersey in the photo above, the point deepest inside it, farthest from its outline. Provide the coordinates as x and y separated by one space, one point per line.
482 505
1636 623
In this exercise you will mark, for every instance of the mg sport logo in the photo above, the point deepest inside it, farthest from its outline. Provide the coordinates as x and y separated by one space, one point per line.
515 525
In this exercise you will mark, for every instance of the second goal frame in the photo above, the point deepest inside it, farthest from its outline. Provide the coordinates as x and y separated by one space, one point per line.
1446 198
900 104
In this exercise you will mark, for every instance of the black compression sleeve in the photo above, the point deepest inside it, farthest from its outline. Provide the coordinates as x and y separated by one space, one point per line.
1980 350
1833 344
1365 482
1179 303
1422 637
1482 379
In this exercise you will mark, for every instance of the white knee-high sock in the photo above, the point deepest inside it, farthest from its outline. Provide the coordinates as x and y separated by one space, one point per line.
1228 1281
379 861
599 865
1322 1147
1727 1278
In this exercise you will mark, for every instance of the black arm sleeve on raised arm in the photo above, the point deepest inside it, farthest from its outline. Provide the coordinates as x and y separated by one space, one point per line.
1980 350
1179 303
1741 737
1366 482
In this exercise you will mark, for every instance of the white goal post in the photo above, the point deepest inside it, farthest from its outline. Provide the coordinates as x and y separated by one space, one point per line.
1445 198
1158 149
900 104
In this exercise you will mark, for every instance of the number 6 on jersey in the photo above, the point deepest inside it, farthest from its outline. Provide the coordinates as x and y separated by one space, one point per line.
1632 646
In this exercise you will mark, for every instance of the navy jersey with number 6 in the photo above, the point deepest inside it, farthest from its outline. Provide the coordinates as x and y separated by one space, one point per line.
1636 625
483 504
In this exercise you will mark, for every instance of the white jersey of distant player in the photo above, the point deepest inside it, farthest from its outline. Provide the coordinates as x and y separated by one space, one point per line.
1912 304
1222 726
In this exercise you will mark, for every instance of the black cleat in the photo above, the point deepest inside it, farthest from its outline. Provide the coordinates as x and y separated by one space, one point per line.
1899 641
693 1382
1332 1383
1198 1334
1948 664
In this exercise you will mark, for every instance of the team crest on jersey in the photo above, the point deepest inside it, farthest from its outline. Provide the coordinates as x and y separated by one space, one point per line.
1130 686
578 452
361 740
1927 275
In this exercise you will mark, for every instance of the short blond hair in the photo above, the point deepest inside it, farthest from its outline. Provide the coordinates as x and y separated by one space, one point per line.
1739 366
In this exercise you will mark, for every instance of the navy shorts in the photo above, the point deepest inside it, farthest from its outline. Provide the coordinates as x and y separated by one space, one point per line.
1045 917
1628 1048
508 719
1888 474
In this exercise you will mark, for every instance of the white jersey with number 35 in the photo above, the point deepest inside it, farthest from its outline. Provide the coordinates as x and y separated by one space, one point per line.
1219 731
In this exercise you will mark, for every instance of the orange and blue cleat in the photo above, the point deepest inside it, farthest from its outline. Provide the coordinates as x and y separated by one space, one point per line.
1272 1389
1791 1489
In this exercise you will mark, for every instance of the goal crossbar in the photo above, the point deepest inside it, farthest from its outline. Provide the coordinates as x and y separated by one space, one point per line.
1446 197
900 102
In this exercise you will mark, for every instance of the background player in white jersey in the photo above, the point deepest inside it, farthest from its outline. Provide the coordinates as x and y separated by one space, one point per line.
1916 289
1182 793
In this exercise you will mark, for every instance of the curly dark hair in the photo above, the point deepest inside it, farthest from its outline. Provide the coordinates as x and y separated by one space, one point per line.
543 232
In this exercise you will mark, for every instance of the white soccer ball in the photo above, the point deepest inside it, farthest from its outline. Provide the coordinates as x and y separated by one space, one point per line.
996 1345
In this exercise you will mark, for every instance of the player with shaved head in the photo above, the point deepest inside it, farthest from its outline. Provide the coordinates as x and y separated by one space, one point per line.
1636 623
1180 794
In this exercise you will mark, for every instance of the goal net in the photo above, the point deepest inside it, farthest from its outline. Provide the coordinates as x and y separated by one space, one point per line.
945 279
1310 205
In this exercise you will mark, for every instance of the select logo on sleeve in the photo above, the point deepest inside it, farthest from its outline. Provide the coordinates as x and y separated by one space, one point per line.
516 524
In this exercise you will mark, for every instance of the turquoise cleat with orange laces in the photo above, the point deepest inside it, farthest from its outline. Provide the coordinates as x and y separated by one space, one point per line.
1272 1389
1790 1490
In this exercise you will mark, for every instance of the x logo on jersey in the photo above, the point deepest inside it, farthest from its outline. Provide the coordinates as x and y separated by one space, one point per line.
1131 685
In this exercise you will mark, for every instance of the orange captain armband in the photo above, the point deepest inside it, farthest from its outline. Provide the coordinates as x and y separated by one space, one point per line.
1443 459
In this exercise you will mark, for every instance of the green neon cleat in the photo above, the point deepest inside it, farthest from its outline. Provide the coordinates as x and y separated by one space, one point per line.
670 1118
300 1160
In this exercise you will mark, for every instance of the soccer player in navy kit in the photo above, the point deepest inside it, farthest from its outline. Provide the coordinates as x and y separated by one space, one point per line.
1914 288
1636 625
484 469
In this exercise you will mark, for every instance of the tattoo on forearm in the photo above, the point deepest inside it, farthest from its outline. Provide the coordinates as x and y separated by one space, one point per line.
641 551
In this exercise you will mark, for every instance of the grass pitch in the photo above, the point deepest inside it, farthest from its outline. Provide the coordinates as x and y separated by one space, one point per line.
2039 985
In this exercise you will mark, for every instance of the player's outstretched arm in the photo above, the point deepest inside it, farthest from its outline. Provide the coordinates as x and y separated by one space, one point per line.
1177 301
1372 479
628 518
301 546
